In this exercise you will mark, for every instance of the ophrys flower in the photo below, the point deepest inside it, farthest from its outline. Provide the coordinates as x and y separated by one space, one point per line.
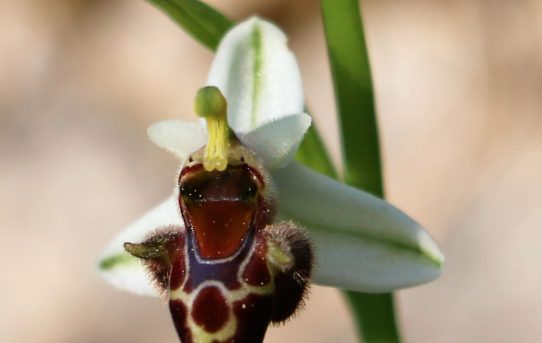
361 242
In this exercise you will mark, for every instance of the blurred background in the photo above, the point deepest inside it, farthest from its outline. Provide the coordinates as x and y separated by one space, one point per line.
459 93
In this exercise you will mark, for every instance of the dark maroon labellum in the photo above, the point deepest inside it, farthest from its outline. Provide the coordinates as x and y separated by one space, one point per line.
230 271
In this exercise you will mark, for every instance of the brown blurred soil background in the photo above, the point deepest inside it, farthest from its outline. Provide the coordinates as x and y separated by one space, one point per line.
459 93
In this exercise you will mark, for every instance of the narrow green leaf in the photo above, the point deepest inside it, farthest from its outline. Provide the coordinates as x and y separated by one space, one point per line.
354 94
202 21
360 143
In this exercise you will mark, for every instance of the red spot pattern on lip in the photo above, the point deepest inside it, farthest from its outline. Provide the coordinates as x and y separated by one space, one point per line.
210 309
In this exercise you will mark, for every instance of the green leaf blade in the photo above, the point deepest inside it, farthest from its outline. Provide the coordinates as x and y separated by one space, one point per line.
349 61
203 22
352 81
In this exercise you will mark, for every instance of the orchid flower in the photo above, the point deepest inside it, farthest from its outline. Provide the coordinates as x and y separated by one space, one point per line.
361 242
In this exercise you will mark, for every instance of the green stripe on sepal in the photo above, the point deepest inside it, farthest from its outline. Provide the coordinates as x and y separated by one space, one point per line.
257 72
362 242
126 272
117 260
258 75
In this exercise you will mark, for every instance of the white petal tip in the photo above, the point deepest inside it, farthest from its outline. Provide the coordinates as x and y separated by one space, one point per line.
430 249
363 264
178 137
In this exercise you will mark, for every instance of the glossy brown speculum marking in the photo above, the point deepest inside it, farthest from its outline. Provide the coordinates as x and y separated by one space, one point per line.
219 207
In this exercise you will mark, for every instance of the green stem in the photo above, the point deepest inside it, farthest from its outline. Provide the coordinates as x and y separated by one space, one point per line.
375 316
349 61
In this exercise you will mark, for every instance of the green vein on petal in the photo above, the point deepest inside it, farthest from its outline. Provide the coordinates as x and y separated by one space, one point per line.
425 255
362 242
257 72
258 75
